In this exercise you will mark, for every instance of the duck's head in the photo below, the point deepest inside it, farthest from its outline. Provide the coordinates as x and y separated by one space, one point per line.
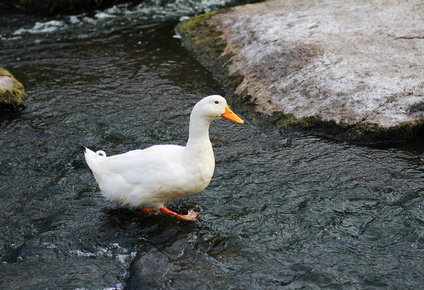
215 107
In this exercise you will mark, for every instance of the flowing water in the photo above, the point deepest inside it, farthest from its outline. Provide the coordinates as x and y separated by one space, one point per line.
283 209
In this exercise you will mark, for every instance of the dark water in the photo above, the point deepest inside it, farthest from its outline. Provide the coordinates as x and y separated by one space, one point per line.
283 210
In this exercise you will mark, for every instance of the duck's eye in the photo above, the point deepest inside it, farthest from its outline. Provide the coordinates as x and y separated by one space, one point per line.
216 102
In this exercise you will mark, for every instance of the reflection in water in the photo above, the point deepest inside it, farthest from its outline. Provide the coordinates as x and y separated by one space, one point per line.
282 209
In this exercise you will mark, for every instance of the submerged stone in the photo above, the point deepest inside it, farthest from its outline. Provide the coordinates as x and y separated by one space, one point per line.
353 69
12 92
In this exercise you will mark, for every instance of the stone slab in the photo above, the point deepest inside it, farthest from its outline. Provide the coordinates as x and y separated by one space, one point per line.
347 62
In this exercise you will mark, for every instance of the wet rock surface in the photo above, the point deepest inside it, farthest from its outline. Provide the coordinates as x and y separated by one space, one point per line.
353 63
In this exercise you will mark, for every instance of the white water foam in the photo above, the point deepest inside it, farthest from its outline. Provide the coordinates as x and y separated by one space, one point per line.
41 27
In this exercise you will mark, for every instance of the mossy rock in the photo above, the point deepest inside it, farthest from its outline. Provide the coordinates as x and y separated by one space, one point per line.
12 92
206 43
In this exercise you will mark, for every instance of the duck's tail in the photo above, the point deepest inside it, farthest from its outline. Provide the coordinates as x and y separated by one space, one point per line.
93 160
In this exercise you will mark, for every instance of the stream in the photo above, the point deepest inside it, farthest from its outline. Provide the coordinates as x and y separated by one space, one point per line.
283 209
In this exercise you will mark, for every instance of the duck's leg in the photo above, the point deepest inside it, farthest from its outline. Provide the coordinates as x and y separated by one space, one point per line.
191 216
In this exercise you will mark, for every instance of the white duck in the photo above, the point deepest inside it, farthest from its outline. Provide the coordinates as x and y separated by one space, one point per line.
151 177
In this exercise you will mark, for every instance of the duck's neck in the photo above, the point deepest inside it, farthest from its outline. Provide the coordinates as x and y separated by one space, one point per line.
199 134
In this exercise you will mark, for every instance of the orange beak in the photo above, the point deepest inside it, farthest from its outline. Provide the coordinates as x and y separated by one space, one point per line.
230 115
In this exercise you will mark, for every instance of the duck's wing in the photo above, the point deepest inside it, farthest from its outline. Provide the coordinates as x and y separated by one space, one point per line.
138 166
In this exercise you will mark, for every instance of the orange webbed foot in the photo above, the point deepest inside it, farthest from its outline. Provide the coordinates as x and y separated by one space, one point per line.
191 216
149 211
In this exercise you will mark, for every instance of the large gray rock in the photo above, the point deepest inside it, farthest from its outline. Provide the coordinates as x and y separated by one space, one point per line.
352 63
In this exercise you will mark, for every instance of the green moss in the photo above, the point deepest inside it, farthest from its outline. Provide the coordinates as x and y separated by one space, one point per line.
366 133
204 41
12 98
373 133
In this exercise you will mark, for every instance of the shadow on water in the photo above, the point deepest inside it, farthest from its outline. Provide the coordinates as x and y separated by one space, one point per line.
282 209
